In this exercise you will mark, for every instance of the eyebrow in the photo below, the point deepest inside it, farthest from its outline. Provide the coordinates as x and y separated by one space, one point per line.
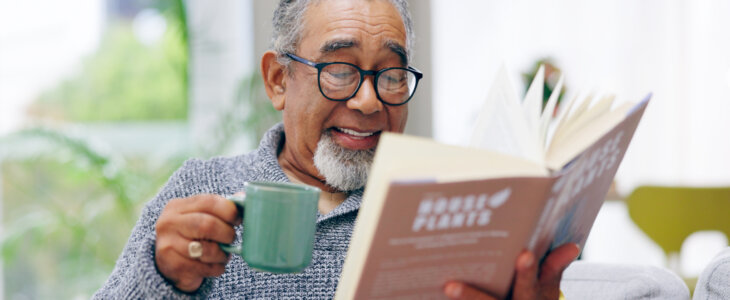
337 44
334 45
398 49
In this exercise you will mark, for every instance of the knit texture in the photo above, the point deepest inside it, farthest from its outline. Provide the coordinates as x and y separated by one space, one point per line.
714 282
135 275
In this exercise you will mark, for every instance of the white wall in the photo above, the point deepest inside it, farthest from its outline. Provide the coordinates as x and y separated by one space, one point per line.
222 53
679 50
39 44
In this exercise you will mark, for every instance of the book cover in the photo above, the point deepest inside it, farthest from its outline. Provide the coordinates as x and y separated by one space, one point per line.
459 214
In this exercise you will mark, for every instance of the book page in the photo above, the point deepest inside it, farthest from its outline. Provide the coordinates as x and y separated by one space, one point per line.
412 157
532 104
547 114
573 115
580 189
563 112
601 107
501 125
564 148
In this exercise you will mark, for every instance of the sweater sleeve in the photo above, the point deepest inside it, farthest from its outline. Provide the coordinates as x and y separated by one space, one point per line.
135 275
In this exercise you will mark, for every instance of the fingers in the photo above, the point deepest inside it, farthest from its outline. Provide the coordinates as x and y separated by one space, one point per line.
211 204
525 286
459 290
207 219
199 268
188 274
212 253
201 226
557 260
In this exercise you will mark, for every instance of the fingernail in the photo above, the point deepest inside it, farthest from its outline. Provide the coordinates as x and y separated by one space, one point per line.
453 290
527 261
577 251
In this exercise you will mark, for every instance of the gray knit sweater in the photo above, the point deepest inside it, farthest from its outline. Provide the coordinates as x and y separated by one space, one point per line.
136 277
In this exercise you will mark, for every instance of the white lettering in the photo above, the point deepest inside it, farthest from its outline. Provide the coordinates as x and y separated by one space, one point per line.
457 221
440 206
469 202
500 198
484 217
419 222
431 225
470 220
443 222
425 207
455 204
588 169
481 201
457 211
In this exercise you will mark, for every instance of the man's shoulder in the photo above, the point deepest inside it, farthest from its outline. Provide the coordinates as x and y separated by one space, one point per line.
216 167
223 173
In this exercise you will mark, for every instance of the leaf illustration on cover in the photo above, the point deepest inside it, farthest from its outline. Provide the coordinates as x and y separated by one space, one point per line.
500 198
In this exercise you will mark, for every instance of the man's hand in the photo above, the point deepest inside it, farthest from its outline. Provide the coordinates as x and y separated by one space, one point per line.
528 284
208 219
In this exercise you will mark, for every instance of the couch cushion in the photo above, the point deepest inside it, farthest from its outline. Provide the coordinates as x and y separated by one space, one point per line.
714 282
584 280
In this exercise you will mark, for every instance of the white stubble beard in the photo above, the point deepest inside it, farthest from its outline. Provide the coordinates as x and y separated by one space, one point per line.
343 169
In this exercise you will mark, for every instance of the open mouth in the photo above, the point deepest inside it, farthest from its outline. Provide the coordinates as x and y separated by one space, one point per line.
355 139
353 132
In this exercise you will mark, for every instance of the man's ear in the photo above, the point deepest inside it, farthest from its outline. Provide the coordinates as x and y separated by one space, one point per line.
274 75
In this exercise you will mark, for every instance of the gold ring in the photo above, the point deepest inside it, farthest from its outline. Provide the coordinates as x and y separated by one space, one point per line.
195 249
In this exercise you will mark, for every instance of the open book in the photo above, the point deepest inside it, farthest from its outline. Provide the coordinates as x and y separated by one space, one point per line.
433 212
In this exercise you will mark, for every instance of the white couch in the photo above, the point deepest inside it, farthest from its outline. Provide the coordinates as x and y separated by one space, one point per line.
583 280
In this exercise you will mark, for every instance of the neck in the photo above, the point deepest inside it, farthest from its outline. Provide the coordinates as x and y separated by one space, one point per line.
295 170
329 198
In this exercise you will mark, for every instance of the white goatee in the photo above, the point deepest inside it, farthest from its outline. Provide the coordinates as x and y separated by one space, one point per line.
343 169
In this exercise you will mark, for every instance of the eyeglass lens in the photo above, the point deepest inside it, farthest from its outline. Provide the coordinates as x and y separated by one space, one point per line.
339 81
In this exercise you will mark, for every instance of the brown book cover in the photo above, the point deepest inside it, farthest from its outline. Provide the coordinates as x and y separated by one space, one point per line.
416 232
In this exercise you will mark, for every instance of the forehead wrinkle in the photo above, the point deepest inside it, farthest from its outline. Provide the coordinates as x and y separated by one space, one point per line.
371 28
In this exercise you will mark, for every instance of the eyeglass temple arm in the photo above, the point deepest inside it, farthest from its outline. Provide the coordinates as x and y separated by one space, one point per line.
301 60
418 72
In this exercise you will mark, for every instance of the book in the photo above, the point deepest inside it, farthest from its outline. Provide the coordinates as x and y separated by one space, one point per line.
433 212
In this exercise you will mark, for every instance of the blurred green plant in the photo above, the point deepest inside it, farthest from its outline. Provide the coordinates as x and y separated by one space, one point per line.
68 207
68 210
126 80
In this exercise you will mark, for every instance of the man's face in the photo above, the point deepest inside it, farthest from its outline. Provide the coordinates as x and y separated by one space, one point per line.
369 34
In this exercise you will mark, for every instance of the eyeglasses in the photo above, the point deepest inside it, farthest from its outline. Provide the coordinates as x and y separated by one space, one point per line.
340 81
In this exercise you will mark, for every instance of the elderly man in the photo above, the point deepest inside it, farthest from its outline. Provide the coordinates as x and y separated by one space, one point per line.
339 73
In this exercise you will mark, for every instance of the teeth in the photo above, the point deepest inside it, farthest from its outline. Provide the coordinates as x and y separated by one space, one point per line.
355 133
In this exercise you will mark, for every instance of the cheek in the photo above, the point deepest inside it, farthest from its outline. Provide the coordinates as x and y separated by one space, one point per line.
398 118
307 110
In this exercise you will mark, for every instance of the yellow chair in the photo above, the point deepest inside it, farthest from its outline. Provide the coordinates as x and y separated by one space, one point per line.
668 215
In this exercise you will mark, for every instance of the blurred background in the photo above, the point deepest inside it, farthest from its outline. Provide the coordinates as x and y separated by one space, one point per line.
101 100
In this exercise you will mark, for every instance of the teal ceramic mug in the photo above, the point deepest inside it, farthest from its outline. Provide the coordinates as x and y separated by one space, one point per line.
279 221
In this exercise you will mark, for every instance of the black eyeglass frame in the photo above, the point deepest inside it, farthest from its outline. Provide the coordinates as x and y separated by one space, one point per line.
374 73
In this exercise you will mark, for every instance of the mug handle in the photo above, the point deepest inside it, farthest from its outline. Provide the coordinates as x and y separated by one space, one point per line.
239 200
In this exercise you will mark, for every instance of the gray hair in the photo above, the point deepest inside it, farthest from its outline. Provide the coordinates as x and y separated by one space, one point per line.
289 19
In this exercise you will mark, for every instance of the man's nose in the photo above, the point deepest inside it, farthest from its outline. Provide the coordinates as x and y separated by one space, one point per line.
366 100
